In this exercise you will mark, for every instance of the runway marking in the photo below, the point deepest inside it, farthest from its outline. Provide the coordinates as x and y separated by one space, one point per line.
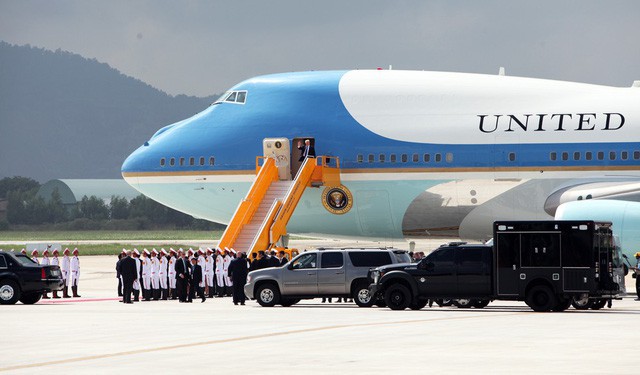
236 339
66 300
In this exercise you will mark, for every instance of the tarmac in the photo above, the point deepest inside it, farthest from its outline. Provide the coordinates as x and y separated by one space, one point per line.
96 334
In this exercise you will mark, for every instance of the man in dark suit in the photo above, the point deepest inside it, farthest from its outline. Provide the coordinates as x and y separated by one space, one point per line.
195 280
282 259
129 273
238 270
306 150
182 276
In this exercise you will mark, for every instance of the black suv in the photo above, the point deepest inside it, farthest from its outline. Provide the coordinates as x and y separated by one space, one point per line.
458 272
22 279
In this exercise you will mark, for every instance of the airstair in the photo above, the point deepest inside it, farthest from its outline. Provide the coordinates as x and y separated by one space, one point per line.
262 216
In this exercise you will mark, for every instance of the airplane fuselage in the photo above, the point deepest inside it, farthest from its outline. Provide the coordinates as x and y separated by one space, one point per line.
422 153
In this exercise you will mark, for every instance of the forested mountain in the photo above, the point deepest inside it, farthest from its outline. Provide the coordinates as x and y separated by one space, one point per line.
65 116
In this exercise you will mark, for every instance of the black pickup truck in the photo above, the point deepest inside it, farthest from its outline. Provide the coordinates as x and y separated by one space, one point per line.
547 264
22 279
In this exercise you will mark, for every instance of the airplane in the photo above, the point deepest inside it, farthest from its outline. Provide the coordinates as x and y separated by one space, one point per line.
422 154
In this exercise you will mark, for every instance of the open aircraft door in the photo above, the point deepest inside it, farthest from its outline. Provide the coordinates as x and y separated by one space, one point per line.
280 150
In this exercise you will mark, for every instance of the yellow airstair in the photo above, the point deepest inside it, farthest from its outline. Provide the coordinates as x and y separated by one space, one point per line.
262 216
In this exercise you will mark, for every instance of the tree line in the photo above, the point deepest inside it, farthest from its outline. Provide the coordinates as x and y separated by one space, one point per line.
25 208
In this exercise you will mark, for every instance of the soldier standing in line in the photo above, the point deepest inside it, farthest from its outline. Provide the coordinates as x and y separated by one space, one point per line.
219 273
45 262
155 275
208 273
163 275
146 275
136 282
34 256
55 262
228 257
75 273
172 274
65 267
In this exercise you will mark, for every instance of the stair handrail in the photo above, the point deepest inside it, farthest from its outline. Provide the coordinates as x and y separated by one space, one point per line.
248 206
261 239
291 199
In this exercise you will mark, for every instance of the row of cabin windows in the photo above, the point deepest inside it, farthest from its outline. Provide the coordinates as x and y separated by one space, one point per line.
588 155
192 161
404 158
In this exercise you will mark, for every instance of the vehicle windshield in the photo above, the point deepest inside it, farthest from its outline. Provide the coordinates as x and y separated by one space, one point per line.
402 257
25 260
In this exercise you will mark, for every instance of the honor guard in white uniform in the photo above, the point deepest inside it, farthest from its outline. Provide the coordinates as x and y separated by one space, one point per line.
163 275
208 273
190 254
136 283
45 262
172 274
34 256
227 280
55 262
23 251
65 267
146 275
155 275
219 269
74 275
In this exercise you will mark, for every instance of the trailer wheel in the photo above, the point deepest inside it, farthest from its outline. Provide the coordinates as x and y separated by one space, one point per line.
541 299
581 302
598 304
397 297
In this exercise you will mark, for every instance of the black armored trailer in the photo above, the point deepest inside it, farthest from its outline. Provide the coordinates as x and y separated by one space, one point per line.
550 263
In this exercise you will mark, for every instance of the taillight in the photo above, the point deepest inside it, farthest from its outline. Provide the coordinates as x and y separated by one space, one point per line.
610 267
43 275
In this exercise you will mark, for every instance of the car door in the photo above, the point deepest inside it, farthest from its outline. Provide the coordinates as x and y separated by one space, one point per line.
331 275
300 277
439 273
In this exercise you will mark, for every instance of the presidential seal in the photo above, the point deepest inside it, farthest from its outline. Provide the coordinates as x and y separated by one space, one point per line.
337 200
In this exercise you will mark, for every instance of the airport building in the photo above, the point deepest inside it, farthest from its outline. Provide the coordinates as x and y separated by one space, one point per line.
72 191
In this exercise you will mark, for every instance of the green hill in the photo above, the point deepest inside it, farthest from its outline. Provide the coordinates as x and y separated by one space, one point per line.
65 116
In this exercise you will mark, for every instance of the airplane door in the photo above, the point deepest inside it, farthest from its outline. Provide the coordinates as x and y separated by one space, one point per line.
279 149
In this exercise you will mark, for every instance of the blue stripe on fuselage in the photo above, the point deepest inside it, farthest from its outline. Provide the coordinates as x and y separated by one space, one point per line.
308 104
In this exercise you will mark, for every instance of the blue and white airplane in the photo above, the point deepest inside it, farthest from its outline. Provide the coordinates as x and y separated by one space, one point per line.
421 153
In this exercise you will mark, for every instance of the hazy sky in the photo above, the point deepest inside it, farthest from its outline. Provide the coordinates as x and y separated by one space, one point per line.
204 47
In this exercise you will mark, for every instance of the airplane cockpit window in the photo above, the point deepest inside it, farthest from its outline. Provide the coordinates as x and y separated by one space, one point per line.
239 97
231 97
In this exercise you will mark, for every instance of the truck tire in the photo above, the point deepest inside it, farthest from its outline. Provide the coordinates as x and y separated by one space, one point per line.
30 298
361 295
418 304
481 304
9 292
598 304
541 299
582 302
397 297
268 295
